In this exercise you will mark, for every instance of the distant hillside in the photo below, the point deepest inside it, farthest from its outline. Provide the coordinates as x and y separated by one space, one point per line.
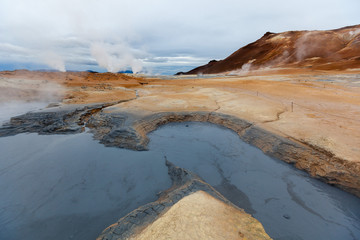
324 50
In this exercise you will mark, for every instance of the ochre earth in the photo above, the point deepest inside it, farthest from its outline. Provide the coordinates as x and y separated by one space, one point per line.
337 49
321 108
201 216
189 209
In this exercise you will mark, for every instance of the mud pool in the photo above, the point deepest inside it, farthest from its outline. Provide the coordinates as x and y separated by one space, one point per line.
288 203
71 187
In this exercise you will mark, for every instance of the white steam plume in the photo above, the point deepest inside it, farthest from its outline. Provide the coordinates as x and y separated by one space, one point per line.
115 57
308 46
53 60
302 46
245 69
20 95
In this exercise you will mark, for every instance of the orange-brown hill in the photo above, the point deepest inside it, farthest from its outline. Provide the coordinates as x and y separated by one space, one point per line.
337 49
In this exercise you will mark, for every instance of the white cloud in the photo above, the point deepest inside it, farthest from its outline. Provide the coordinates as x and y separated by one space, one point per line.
174 61
11 48
160 30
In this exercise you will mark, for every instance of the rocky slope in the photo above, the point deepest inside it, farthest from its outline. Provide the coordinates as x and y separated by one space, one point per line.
327 50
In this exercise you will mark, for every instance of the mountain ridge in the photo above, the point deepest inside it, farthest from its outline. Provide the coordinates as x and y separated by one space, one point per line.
336 49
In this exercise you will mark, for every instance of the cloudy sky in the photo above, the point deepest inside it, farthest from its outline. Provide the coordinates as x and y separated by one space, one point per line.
154 36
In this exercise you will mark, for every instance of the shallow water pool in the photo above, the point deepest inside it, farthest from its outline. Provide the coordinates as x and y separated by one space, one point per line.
289 203
71 187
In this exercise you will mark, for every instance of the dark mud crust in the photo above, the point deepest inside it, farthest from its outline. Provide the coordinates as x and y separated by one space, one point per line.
125 130
184 183
131 132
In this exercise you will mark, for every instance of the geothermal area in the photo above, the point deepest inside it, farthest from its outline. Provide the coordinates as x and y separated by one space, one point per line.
264 144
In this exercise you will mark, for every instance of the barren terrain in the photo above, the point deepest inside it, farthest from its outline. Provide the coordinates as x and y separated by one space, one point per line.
319 110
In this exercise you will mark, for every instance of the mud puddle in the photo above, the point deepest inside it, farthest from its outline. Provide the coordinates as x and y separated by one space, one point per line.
289 203
71 187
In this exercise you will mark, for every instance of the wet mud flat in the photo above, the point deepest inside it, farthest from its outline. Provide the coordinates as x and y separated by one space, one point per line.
287 203
71 187
116 128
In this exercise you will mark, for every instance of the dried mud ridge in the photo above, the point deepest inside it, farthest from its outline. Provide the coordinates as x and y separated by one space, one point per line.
53 120
184 183
125 130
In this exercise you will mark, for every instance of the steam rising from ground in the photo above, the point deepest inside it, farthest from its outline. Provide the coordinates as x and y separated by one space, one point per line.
53 60
115 57
305 46
310 46
16 108
245 69
21 95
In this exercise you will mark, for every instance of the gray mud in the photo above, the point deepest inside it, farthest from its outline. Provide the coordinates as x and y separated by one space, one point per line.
288 202
71 187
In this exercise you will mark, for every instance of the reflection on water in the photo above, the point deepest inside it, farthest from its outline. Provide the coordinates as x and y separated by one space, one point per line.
71 187
289 204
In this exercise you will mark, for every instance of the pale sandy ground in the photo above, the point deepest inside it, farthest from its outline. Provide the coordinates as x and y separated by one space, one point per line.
201 216
324 113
